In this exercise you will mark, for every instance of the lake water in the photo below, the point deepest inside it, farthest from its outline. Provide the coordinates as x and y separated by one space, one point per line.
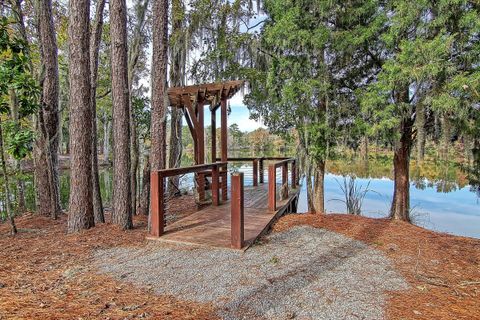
456 212
441 197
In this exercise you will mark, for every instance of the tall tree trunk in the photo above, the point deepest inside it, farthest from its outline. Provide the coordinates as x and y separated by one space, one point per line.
122 195
319 188
81 201
95 39
144 204
133 56
421 136
106 138
400 208
178 55
8 205
46 166
159 84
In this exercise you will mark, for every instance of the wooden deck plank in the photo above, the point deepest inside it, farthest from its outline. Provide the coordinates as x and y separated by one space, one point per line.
211 225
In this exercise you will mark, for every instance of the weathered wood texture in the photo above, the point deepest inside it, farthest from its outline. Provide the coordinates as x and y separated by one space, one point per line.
211 226
237 211
210 93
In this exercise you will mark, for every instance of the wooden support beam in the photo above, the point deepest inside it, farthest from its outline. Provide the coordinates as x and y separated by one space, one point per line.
200 148
272 187
224 140
260 168
213 118
157 203
215 186
294 174
224 130
255 172
237 208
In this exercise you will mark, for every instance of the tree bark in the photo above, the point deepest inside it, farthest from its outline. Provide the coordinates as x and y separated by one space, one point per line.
122 194
133 56
178 55
46 166
319 189
159 84
106 138
421 136
95 39
400 209
144 204
81 201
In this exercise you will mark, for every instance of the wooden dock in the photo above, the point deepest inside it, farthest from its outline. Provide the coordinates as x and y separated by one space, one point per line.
211 226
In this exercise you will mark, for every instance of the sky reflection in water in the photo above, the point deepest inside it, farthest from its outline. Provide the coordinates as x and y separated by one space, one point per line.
456 212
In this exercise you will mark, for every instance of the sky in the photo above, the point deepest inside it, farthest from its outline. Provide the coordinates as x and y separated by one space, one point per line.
239 115
239 112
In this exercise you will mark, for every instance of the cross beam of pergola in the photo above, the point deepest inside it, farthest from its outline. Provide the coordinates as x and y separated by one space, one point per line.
192 100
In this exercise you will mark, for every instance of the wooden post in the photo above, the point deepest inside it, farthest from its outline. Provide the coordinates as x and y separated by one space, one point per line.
260 168
224 129
201 149
214 135
285 180
294 174
157 201
215 193
237 230
255 172
272 187
224 140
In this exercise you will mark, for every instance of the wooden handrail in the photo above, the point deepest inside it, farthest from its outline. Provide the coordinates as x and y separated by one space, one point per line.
283 162
157 190
253 158
272 180
191 169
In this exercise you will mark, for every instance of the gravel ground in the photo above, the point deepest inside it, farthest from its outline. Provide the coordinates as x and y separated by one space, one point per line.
302 273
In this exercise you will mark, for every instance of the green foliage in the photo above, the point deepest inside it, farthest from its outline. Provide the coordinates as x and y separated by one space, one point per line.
19 92
18 141
430 50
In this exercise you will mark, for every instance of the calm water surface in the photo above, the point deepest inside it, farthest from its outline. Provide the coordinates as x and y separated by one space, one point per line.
441 197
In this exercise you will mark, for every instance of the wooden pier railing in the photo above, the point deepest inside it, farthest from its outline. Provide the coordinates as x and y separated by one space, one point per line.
258 165
157 189
217 170
272 180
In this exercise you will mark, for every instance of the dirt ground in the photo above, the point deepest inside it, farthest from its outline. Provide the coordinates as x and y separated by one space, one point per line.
46 273
443 270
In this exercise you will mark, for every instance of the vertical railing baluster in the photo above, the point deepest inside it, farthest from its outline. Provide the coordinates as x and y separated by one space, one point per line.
237 207
157 201
255 172
272 187
260 169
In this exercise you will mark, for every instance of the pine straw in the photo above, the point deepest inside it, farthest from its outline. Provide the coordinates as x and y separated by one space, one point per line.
46 274
443 270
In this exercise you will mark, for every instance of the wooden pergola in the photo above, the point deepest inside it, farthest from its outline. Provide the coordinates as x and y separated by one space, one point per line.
192 100
250 212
